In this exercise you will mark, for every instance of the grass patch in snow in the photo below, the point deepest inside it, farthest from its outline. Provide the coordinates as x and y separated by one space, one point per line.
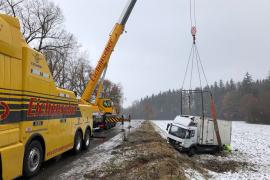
224 166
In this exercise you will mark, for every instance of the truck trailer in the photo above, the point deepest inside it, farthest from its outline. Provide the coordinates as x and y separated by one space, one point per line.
193 134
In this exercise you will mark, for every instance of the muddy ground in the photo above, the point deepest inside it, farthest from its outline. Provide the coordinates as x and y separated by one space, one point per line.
146 155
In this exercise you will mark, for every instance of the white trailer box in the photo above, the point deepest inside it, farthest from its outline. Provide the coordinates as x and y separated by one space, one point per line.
207 134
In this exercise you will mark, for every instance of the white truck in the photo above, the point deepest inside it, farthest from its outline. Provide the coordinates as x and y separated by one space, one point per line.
194 135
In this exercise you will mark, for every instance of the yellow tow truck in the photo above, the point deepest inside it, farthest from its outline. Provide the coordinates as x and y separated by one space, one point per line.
38 120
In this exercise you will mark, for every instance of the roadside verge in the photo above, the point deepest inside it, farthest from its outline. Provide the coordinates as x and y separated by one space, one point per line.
146 155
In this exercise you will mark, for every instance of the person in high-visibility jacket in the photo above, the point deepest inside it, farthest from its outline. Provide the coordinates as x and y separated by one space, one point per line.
227 148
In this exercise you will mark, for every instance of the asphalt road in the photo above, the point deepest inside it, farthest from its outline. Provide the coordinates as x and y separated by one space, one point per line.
54 167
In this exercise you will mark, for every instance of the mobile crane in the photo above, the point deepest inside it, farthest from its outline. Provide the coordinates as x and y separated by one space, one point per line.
38 120
101 67
105 107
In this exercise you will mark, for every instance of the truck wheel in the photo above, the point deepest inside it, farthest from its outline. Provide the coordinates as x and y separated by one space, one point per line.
78 141
108 126
191 152
87 137
33 158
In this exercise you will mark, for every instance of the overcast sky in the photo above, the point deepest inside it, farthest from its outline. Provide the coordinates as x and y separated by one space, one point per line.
233 38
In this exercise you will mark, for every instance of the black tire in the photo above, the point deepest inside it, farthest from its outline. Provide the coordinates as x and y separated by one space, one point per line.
33 158
87 138
108 126
192 152
78 143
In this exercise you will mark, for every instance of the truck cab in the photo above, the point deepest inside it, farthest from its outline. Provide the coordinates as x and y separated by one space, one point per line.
182 132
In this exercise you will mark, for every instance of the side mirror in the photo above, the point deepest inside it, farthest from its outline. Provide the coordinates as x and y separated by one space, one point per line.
168 125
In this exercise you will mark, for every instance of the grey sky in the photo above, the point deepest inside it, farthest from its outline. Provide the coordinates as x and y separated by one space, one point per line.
233 38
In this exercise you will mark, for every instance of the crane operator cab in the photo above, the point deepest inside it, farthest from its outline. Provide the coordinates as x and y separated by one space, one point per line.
107 103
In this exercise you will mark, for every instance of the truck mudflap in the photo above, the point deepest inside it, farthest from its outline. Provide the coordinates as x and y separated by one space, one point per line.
12 161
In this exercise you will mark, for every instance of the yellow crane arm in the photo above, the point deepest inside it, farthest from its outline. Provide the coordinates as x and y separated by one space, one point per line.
100 86
105 57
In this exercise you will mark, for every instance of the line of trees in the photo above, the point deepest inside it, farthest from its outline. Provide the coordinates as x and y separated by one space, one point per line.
247 100
42 25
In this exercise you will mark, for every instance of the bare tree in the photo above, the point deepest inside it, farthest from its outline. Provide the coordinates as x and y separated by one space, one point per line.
114 92
10 7
79 73
59 55
42 25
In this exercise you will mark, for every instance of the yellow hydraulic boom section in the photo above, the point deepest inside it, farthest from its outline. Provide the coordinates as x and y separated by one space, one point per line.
91 85
100 86
105 105
105 57
99 92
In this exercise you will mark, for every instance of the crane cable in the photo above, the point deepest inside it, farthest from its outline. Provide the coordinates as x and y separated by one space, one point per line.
194 56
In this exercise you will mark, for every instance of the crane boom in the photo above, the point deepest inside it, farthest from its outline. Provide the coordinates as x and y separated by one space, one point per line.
100 85
105 57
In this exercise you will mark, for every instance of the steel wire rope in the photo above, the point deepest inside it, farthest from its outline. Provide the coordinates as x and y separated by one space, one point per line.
199 58
199 74
191 70
191 52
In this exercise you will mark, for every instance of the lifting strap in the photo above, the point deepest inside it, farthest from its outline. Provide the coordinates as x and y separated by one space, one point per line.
214 116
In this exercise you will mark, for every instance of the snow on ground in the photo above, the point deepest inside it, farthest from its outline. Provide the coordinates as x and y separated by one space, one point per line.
97 156
252 142
192 174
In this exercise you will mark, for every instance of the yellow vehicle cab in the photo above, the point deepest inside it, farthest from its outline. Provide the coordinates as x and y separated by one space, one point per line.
38 121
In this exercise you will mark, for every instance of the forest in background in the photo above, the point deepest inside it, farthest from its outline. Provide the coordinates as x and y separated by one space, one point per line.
248 100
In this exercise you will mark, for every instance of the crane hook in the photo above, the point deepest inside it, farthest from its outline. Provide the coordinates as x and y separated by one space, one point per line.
193 33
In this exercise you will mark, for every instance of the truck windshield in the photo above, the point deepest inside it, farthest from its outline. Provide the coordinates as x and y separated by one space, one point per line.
178 132
107 103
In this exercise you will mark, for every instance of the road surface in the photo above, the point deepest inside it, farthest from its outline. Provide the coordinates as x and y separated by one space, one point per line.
59 165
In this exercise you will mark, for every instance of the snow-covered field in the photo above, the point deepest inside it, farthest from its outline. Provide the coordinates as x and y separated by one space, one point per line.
252 145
